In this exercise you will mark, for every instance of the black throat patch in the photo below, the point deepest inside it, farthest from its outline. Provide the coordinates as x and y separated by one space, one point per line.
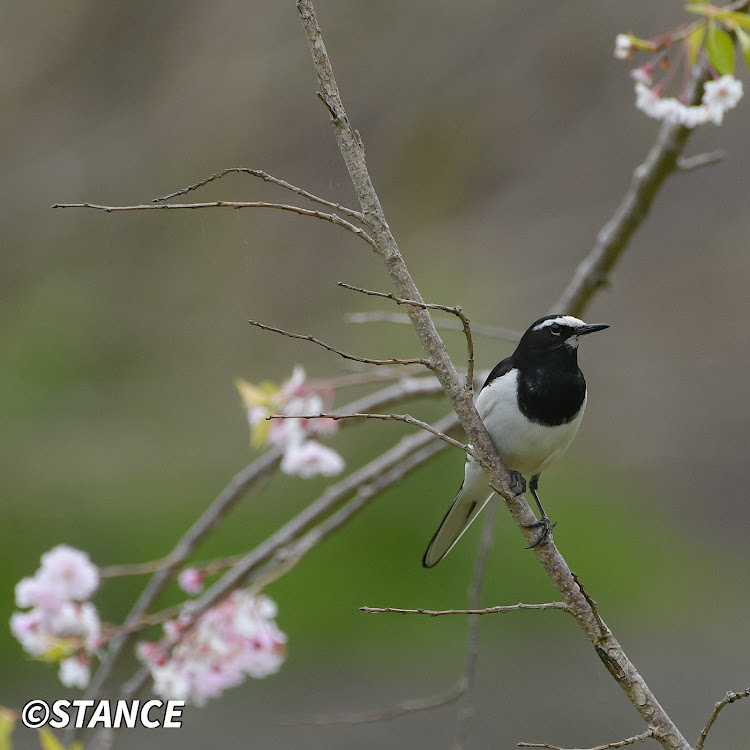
550 395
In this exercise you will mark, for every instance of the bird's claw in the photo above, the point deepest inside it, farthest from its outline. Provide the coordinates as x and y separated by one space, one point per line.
517 484
543 538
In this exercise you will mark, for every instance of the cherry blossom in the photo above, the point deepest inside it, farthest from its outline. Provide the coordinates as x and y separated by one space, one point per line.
310 459
235 639
190 581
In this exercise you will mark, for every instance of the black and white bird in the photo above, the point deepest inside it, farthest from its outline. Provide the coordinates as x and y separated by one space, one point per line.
532 404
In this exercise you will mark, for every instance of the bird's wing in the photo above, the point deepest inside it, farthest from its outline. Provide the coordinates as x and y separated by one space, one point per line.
501 368
474 493
472 497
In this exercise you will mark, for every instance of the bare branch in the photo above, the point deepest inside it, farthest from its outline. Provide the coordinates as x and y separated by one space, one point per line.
502 609
611 746
332 218
380 316
305 337
730 697
687 163
452 309
268 178
395 417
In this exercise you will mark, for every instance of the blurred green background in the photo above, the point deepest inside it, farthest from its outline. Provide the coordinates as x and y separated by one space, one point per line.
500 136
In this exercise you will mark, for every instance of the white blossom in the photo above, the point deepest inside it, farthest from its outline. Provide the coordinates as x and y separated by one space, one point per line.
623 46
75 672
310 459
721 95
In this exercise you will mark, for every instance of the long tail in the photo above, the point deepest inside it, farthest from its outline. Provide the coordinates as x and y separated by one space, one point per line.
471 498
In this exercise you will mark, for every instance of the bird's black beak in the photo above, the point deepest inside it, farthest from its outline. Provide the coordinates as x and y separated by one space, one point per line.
593 328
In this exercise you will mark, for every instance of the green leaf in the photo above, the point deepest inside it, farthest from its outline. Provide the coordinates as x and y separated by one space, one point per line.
8 721
49 741
744 39
699 8
720 48
740 19
695 42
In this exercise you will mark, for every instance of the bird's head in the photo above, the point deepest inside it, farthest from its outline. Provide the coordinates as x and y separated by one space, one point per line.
556 333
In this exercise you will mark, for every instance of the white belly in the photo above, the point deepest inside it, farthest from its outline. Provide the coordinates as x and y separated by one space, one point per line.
525 447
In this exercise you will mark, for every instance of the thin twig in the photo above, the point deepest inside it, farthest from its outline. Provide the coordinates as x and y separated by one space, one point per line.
452 309
473 631
381 316
332 218
404 708
501 609
208 568
367 361
687 163
730 697
268 178
393 417
360 377
611 746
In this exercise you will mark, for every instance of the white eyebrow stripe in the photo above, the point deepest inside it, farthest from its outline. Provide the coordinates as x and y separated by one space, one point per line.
562 320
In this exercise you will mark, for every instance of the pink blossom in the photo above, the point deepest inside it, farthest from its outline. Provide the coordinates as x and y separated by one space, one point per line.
310 459
28 629
69 572
77 621
37 592
234 639
190 581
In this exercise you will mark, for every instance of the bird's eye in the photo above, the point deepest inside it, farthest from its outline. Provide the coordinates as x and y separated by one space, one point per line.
555 329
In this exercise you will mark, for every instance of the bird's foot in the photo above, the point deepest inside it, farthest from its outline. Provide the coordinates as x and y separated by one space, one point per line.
517 483
543 538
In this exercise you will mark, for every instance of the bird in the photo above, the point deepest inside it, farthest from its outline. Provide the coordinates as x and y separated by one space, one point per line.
532 404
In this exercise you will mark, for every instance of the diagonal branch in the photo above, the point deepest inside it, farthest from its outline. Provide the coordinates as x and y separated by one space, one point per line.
332 218
664 158
306 337
268 178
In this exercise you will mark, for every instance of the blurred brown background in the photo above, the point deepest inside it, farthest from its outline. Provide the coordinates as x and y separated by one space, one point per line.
500 136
